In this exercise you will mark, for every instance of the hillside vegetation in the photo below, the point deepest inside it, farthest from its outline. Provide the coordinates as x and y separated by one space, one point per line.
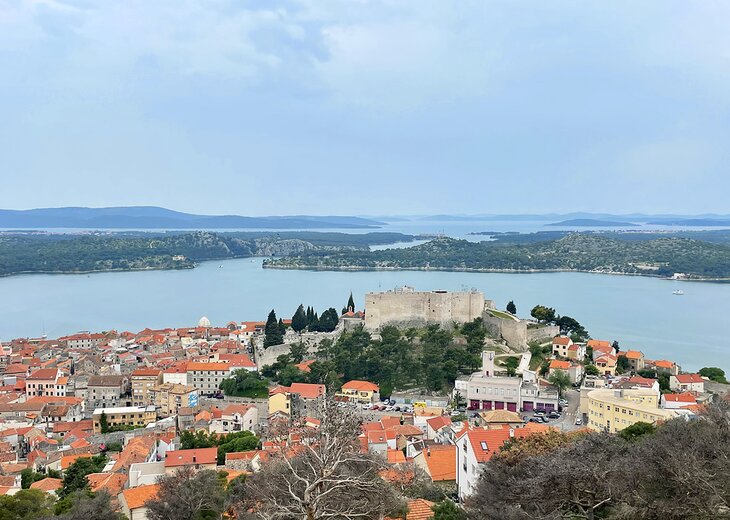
576 252
57 253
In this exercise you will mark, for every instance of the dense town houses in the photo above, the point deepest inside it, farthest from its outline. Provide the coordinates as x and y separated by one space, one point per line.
147 394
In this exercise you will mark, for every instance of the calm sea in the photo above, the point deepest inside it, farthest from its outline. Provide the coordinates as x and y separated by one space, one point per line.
641 313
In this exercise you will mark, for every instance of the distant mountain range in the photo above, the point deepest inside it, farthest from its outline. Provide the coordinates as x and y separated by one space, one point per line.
591 222
151 217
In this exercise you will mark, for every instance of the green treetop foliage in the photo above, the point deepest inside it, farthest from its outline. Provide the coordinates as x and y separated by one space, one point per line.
543 314
74 478
447 510
511 307
297 351
636 431
714 373
592 370
559 379
246 384
27 504
299 320
28 476
228 443
104 422
273 334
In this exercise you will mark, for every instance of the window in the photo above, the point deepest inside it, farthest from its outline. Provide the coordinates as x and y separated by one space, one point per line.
483 444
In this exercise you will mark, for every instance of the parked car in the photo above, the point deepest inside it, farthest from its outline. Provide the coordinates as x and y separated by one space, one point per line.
539 413
554 415
396 408
578 421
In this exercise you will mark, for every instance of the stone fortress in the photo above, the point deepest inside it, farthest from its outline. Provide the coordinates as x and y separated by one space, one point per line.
406 307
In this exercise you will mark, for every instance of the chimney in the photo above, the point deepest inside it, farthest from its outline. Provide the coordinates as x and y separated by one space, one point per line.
194 458
428 452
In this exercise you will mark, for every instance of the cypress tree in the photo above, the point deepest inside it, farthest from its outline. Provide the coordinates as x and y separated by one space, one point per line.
272 333
299 320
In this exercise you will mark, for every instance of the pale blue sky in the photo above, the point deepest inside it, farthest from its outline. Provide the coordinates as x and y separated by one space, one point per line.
366 107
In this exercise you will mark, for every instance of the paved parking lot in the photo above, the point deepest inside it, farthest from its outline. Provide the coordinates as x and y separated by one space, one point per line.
568 414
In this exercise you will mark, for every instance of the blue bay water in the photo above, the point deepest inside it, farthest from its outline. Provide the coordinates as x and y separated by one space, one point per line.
641 313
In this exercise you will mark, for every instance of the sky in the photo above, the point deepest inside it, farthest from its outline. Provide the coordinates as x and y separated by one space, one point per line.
380 107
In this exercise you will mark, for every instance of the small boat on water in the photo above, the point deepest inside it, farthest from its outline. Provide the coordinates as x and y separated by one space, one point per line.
678 293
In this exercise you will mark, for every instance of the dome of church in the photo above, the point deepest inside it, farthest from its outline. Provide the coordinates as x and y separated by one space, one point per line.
204 322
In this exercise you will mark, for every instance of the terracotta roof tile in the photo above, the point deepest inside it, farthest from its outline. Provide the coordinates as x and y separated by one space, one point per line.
138 496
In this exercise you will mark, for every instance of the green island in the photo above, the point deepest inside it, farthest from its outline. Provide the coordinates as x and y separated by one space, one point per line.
39 252
661 256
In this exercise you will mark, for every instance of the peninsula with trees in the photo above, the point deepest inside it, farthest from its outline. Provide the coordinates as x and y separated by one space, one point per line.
662 256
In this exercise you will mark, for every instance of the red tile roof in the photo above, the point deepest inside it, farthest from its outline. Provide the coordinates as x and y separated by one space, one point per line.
418 509
308 390
138 496
43 374
486 443
441 462
685 397
47 484
436 423
188 457
361 386
558 364
561 340
689 378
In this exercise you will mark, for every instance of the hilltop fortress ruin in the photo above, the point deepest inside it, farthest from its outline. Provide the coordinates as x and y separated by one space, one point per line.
406 307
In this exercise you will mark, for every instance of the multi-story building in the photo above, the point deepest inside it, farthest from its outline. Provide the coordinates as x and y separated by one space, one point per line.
635 359
207 377
107 391
124 416
142 380
474 448
606 364
297 400
359 392
234 418
664 366
46 382
613 410
198 459
561 344
168 398
574 371
486 391
83 341
687 383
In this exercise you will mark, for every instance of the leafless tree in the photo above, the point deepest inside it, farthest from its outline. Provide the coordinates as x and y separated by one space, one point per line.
320 473
682 471
188 495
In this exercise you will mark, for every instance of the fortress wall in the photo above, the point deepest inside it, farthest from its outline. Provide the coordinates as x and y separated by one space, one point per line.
421 308
513 332
543 333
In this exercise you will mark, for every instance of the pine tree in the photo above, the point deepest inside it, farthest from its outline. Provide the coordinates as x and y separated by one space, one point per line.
272 333
299 320
511 307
